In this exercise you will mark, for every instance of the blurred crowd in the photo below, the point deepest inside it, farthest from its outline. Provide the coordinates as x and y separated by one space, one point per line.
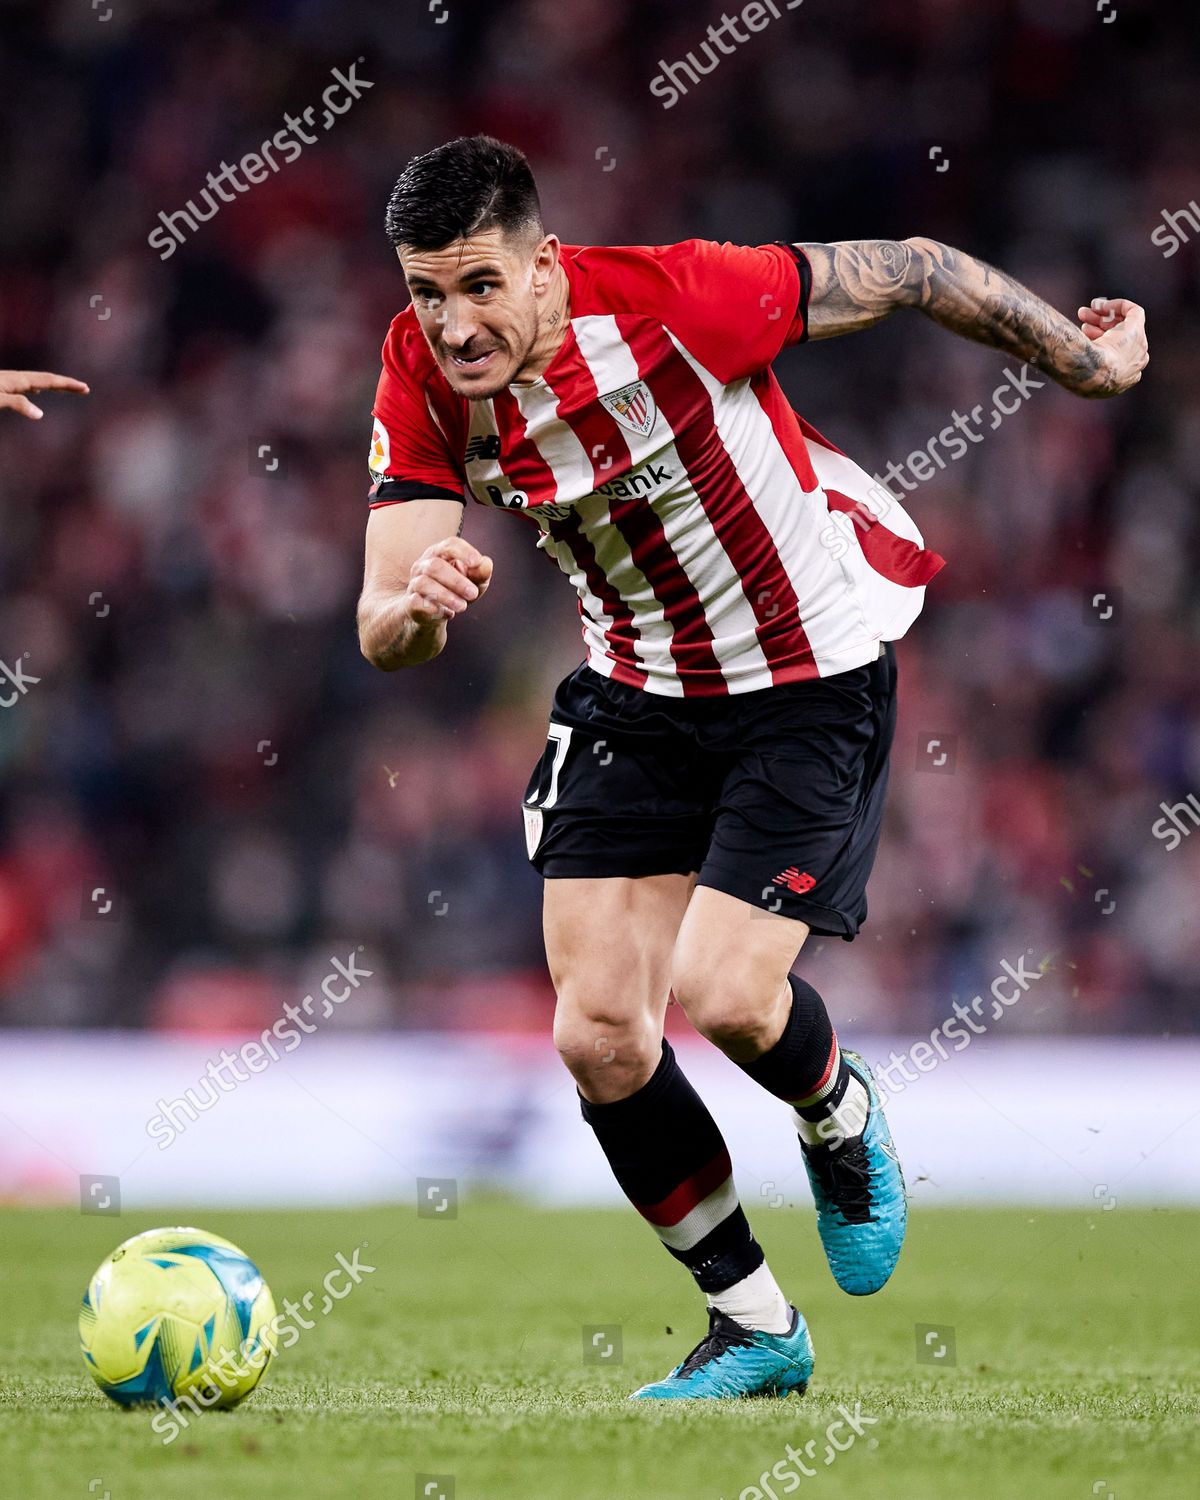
205 791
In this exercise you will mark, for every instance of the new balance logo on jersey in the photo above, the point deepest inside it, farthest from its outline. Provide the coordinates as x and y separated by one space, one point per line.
799 881
633 406
483 449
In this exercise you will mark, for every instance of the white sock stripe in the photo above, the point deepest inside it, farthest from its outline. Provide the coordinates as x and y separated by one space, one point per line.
702 1219
844 1121
835 1072
822 1093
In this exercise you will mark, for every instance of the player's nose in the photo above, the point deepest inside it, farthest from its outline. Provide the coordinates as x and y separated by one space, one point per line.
459 328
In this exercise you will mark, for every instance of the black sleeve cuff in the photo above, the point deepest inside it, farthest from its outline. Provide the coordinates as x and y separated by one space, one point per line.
389 491
805 270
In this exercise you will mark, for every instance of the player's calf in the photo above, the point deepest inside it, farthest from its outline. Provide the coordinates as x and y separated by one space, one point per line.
609 945
852 1166
668 1155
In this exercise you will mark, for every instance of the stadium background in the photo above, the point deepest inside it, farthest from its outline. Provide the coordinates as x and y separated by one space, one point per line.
206 747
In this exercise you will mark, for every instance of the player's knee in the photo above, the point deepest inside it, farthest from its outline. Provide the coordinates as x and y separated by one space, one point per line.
581 1037
609 1050
730 1003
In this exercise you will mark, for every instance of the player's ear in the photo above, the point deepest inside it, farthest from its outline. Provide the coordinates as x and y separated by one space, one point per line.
545 262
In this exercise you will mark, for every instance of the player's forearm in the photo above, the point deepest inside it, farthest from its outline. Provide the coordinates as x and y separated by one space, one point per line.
390 638
976 300
857 283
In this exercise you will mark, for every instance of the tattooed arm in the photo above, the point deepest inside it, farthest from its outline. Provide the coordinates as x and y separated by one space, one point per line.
856 283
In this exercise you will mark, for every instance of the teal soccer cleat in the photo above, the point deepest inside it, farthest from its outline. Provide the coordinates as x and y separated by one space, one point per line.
735 1361
858 1188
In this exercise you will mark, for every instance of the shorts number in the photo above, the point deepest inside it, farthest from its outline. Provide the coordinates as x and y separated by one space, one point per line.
560 734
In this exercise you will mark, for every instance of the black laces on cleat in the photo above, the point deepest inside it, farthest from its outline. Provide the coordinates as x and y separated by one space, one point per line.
845 1177
723 1334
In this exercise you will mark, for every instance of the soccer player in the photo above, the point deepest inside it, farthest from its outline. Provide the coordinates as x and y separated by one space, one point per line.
713 780
16 384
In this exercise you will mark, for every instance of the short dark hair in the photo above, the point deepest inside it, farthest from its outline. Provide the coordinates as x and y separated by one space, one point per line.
465 187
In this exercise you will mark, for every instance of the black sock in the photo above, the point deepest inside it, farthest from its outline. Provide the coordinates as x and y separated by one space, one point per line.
672 1164
805 1067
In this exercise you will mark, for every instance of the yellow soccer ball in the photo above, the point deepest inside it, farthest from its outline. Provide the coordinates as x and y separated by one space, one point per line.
177 1315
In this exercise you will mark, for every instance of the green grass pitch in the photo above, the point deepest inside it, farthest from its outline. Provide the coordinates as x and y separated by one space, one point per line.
1077 1354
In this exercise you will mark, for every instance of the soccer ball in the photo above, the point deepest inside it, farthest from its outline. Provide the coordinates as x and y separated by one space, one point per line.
174 1314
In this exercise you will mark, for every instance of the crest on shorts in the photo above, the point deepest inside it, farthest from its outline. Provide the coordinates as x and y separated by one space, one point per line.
633 406
533 828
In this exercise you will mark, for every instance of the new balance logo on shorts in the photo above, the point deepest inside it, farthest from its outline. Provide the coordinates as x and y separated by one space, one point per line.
799 881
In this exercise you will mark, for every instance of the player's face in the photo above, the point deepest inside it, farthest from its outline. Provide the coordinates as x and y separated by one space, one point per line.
478 302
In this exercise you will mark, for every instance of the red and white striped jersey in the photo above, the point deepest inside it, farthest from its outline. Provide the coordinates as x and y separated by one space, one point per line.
717 542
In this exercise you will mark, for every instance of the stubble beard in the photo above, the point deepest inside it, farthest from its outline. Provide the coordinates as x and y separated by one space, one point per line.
488 393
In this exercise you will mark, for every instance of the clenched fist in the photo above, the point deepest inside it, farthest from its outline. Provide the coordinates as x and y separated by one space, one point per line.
447 576
1117 330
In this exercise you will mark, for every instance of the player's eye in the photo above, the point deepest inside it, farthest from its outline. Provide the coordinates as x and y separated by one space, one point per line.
426 297
482 288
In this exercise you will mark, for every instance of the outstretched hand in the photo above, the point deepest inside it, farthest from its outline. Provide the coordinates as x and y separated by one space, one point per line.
15 383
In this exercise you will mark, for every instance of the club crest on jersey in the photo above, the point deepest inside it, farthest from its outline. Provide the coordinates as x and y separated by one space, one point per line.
633 406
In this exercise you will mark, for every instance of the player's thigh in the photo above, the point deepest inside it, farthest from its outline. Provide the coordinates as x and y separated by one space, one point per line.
618 791
609 943
794 840
731 960
801 809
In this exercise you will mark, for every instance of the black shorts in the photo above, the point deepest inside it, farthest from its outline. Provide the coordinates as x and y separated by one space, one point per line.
775 797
